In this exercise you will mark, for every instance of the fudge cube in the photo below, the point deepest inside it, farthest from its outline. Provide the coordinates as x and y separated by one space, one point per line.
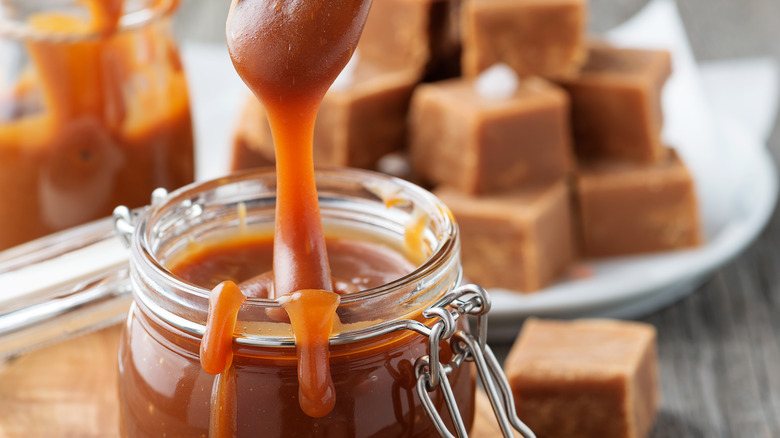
485 423
616 104
253 145
626 208
420 34
587 378
520 240
357 123
545 38
481 145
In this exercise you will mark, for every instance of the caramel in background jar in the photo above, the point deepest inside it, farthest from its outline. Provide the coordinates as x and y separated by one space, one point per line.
94 112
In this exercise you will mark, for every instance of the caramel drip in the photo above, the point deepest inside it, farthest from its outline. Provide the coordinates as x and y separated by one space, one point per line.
289 52
223 405
414 234
300 257
216 348
216 357
312 313
105 15
79 93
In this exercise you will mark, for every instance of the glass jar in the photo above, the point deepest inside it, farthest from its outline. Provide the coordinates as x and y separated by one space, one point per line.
375 358
94 111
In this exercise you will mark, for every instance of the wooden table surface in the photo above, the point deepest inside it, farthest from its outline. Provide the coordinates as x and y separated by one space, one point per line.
719 348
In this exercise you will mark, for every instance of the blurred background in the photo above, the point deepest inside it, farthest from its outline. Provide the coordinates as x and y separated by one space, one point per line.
717 29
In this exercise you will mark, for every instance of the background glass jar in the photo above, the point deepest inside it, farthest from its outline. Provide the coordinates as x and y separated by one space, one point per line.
94 111
162 386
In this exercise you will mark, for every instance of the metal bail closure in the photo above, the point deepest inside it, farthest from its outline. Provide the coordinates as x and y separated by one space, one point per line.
432 374
124 218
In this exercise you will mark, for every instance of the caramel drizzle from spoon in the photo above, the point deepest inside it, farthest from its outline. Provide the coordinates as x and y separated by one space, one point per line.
289 52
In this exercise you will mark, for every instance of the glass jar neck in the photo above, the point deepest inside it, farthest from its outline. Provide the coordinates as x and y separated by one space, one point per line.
354 203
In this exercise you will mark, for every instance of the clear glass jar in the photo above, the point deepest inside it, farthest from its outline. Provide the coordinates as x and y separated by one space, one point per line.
162 386
94 111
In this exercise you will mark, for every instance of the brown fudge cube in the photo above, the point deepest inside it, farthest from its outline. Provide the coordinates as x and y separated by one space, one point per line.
587 378
420 34
356 125
485 424
632 208
535 37
245 157
616 104
252 144
520 240
481 145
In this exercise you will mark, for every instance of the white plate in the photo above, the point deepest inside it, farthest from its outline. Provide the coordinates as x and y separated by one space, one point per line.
633 286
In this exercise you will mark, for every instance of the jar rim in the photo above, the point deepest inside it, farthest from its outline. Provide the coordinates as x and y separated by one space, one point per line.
431 262
440 257
134 18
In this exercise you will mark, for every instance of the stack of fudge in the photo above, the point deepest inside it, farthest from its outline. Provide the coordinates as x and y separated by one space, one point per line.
570 164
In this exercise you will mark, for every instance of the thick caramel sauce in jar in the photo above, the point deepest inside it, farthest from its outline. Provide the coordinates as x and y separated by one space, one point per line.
388 265
164 388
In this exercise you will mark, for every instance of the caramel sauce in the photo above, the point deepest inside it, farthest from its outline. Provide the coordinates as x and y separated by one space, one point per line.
311 315
216 349
223 409
289 52
91 124
105 15
216 357
164 389
247 259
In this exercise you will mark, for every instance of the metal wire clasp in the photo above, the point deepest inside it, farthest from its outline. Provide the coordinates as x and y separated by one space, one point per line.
431 374
125 219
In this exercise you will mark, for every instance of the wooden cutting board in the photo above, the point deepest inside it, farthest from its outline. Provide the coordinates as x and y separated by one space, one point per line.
67 389
70 390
